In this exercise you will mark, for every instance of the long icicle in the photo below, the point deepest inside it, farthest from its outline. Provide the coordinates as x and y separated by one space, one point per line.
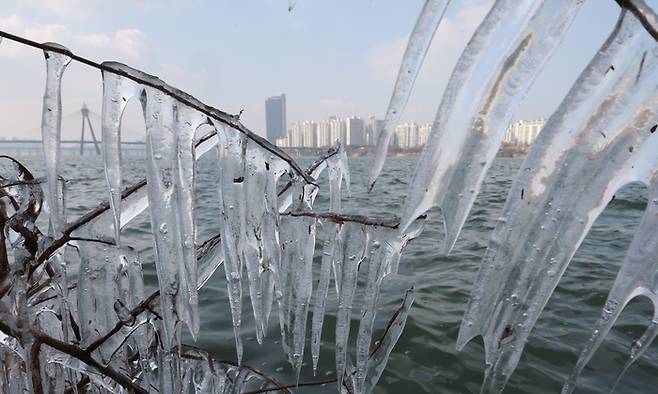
231 151
635 278
169 137
494 72
354 253
379 357
117 91
51 130
419 42
599 139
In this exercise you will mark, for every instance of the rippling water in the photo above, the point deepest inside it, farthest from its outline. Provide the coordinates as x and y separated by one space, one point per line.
425 359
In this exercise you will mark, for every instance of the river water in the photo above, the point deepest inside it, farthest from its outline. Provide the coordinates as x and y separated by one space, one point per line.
425 359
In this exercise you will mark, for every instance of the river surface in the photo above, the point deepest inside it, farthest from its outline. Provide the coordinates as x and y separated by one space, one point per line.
425 359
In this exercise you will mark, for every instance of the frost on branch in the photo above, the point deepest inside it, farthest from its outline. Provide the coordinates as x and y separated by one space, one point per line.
494 72
600 138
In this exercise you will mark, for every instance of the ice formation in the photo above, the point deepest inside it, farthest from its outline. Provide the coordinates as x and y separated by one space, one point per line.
600 138
419 42
496 69
51 124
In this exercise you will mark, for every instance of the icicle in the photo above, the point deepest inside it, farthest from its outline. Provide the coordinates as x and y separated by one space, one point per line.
332 242
98 289
379 357
338 172
639 347
117 91
261 247
382 253
232 219
600 138
294 277
51 124
355 252
635 278
493 74
419 42
170 128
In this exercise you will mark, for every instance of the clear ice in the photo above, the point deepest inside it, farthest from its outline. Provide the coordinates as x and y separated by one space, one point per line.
600 138
496 69
419 42
51 130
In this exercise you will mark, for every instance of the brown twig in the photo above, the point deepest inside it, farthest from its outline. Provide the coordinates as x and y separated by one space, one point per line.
35 365
136 311
86 358
643 13
340 219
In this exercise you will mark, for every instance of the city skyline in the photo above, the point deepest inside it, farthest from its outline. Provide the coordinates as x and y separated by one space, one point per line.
345 69
354 131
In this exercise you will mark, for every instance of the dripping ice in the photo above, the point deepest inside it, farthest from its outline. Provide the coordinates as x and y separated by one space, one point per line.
419 42
570 174
494 72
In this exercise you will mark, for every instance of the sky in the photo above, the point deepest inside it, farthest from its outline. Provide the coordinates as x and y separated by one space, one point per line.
330 57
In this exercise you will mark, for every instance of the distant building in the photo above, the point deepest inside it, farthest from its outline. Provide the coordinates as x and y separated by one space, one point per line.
324 133
406 135
374 126
355 131
424 134
296 136
309 134
275 117
337 130
523 133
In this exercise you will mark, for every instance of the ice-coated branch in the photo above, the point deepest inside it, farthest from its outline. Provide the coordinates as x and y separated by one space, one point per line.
340 219
643 13
155 83
77 352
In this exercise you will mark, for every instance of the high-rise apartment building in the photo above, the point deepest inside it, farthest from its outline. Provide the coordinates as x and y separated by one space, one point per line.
355 131
324 133
523 133
406 135
310 134
373 128
275 117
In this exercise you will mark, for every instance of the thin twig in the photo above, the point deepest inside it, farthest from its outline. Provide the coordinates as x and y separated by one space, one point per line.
36 367
643 13
340 219
136 311
83 356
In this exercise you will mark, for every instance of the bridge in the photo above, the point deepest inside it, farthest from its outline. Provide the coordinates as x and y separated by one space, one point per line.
81 147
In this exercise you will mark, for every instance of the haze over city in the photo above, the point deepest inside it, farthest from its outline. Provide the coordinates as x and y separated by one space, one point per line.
335 58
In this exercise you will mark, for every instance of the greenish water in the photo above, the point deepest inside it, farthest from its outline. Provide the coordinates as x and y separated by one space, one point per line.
425 359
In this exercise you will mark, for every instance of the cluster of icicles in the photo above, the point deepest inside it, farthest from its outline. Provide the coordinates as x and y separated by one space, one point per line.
266 231
601 137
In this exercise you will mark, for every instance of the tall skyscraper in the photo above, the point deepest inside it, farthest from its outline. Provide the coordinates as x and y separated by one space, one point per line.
275 117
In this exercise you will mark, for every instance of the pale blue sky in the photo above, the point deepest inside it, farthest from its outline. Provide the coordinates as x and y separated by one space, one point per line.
330 57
